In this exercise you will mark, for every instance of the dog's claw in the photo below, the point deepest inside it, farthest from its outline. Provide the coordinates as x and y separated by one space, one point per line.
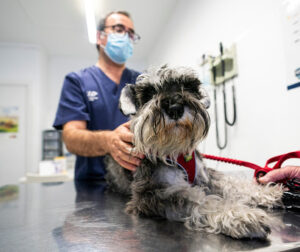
267 229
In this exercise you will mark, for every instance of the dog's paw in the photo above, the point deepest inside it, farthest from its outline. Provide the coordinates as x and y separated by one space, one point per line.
232 219
262 233
270 196
131 209
247 223
250 231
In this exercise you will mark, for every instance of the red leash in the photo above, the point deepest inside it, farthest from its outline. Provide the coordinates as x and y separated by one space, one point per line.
259 171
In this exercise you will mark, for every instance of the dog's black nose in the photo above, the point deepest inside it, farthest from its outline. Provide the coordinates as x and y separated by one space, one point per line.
174 109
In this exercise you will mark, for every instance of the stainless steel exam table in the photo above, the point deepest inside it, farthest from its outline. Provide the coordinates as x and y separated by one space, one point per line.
86 217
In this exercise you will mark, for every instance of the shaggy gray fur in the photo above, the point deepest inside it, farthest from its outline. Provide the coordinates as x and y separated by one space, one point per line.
169 117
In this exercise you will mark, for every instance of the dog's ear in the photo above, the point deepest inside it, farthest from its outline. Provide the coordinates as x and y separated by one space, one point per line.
204 97
127 102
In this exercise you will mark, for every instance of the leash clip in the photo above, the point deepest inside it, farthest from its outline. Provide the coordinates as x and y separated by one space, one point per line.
293 185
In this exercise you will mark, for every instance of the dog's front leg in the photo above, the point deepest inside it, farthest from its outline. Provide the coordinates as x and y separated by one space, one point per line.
217 215
118 178
244 190
214 214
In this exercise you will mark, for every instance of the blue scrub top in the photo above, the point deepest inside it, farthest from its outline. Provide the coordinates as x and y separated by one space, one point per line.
91 96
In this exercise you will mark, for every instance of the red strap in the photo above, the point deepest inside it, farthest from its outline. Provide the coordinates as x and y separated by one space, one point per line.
259 171
282 158
232 161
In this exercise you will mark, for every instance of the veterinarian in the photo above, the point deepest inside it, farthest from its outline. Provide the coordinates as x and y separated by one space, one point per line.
288 172
88 111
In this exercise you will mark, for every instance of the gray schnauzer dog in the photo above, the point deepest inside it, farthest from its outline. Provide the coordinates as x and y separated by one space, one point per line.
169 118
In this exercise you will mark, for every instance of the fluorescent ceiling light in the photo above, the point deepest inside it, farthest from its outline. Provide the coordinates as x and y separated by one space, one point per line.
90 20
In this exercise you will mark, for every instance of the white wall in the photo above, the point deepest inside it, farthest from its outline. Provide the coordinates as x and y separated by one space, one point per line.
268 121
268 118
22 64
43 75
58 67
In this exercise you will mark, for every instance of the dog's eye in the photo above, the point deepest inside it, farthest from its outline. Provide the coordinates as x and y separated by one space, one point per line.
192 87
147 94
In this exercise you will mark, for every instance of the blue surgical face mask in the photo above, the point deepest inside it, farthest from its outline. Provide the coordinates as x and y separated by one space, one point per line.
118 47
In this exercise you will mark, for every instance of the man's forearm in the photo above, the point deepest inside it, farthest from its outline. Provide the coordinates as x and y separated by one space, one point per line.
85 142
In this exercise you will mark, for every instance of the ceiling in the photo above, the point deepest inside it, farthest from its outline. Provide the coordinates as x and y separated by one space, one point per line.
59 26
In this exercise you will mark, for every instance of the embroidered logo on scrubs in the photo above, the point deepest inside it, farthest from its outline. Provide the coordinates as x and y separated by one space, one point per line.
92 95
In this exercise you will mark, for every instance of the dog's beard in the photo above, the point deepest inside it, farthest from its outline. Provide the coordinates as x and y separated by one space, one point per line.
159 137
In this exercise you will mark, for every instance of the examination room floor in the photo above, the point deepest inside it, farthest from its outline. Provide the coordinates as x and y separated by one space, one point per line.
85 217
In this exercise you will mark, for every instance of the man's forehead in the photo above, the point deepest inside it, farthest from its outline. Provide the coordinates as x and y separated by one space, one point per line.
116 18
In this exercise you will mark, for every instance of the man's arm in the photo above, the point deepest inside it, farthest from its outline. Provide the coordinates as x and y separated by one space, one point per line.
118 143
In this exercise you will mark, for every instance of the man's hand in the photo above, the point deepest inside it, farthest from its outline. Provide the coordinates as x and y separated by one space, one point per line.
119 146
117 143
287 172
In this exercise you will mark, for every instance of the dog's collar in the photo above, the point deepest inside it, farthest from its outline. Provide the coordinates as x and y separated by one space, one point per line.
188 164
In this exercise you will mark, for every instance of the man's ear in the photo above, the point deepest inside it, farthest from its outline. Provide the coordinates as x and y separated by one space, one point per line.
204 97
100 38
127 102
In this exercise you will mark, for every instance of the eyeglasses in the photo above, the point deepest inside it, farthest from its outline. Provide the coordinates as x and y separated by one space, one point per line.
121 29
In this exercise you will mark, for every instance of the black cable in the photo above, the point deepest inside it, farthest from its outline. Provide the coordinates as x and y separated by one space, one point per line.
221 147
224 91
225 105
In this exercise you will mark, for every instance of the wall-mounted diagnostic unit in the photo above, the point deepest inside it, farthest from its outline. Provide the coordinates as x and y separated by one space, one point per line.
222 69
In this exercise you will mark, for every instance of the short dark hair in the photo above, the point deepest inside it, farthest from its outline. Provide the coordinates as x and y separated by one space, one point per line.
102 22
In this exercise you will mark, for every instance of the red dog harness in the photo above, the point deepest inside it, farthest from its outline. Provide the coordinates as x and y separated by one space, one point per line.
188 165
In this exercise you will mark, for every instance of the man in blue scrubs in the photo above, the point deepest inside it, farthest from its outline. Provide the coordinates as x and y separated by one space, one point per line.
88 111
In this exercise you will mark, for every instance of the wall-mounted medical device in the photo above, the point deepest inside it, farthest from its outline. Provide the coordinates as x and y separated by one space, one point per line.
222 69
227 59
